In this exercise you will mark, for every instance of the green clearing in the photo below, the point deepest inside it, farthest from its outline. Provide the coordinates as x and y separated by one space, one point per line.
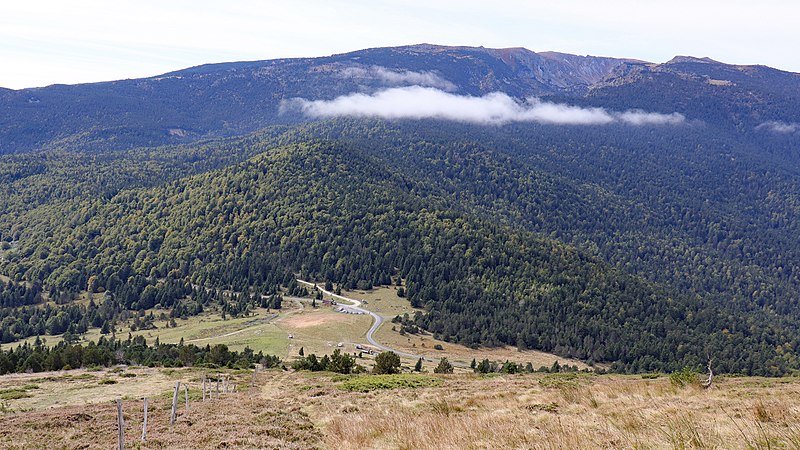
257 331
382 300
14 394
367 383
320 330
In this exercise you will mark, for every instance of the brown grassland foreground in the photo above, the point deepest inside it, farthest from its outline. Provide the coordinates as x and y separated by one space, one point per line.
289 409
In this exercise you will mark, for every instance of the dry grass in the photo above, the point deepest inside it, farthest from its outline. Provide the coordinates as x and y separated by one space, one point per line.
301 409
551 411
423 344
233 421
80 387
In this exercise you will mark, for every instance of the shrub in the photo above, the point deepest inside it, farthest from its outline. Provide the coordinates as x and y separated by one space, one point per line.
444 367
338 362
510 367
684 377
485 366
366 383
444 408
13 394
386 363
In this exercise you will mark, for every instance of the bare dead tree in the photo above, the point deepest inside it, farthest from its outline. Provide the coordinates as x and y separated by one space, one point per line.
708 381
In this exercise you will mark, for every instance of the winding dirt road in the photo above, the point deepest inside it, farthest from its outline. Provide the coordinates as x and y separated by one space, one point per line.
355 305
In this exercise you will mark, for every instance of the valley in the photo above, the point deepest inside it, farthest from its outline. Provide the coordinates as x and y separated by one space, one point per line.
317 329
420 246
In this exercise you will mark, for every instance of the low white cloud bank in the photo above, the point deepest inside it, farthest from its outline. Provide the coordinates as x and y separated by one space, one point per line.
390 77
415 102
780 127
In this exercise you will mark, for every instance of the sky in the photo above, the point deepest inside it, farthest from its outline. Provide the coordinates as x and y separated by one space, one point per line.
44 42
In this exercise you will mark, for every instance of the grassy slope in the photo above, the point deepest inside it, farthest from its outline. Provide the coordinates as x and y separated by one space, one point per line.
258 331
307 410
236 420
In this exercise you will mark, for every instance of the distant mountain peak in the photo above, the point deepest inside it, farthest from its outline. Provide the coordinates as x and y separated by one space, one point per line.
692 59
568 56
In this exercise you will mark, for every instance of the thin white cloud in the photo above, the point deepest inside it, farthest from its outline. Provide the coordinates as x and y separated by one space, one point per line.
415 102
639 117
388 77
780 127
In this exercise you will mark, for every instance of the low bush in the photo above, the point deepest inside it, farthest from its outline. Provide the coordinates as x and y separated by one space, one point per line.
685 377
366 383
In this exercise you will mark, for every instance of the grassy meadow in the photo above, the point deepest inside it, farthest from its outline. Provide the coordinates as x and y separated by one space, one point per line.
288 409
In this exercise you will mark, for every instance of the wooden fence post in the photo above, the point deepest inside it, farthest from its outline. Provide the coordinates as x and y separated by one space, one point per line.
144 424
186 395
174 403
120 426
204 388
255 372
217 386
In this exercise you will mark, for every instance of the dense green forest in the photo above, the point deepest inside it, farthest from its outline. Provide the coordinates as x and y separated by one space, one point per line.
709 218
500 240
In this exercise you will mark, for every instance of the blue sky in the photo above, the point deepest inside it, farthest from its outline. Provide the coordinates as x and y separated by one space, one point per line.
44 41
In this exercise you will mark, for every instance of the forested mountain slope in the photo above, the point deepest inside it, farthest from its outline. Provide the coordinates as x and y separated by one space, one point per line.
708 217
357 211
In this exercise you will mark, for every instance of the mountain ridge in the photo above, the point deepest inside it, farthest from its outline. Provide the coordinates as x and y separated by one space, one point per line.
229 99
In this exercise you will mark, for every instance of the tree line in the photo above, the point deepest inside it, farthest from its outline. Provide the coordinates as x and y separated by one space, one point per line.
38 357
